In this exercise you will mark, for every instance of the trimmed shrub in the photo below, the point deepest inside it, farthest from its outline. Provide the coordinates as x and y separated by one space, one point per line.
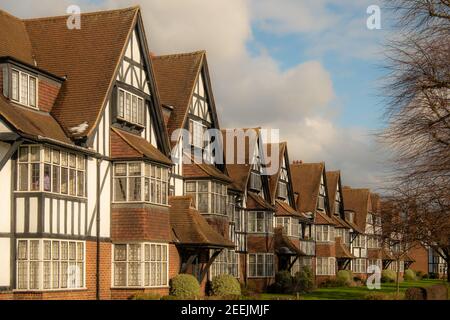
146 296
225 285
388 276
433 275
420 275
381 296
344 278
303 281
184 286
409 275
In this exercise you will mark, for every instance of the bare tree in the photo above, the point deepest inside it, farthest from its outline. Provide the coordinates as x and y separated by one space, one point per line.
418 117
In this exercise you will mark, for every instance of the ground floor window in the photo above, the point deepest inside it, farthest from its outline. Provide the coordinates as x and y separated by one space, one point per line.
227 262
260 265
393 266
50 264
325 266
359 265
140 265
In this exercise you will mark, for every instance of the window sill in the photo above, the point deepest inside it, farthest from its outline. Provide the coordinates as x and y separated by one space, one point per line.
52 194
260 277
48 290
139 288
140 202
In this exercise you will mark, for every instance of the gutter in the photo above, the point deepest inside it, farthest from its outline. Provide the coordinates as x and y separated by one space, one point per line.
97 273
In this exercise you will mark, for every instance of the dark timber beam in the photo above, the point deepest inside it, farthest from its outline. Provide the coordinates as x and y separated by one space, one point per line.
10 153
208 265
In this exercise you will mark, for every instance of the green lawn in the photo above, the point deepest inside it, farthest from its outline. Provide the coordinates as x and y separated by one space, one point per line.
353 293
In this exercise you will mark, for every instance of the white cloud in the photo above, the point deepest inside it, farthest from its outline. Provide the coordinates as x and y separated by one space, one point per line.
252 90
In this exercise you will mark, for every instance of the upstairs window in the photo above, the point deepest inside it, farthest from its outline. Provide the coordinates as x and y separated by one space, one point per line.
324 233
130 107
291 227
255 181
337 203
260 222
282 190
322 195
51 170
196 133
24 88
140 182
210 196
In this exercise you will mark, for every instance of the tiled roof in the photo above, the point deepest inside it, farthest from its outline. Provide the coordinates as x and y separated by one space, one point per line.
332 183
87 57
256 202
190 228
14 39
141 146
204 170
176 76
284 246
33 123
341 250
306 182
386 255
322 218
375 253
357 200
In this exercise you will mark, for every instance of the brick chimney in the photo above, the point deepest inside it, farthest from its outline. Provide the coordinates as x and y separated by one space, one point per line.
297 162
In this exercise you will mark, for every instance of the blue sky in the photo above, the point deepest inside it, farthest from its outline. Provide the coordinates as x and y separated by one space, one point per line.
308 68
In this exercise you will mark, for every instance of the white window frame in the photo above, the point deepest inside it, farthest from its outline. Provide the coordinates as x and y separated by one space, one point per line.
197 134
159 181
325 233
261 225
220 198
143 261
20 84
127 115
40 260
267 262
359 265
325 266
53 158
227 262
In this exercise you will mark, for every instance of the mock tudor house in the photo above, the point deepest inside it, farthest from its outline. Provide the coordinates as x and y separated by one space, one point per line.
310 182
344 231
294 250
84 158
188 103
258 259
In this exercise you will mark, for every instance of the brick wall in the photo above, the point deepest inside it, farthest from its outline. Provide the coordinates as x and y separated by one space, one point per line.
325 249
145 223
420 255
260 243
86 294
47 94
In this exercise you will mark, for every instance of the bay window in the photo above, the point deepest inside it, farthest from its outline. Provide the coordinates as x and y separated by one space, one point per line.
376 262
140 265
325 266
291 227
210 196
260 265
360 241
373 242
23 88
344 234
324 233
140 182
260 222
227 262
130 107
51 170
50 264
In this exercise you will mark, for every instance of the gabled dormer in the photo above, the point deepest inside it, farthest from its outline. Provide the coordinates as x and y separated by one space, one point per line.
27 85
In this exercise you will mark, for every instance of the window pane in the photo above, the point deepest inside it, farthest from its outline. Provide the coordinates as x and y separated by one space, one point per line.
35 154
47 177
134 169
80 182
128 107
120 169
80 162
32 92
72 160
55 178
120 112
35 175
203 186
64 180
15 85
190 186
141 111
23 177
72 182
23 154
64 159
120 189
23 88
134 110
120 252
135 189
